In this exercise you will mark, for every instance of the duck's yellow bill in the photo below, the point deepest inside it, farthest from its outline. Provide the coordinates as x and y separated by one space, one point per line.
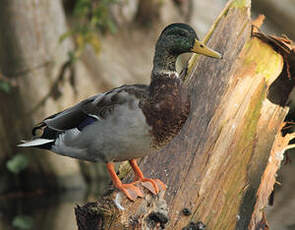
201 48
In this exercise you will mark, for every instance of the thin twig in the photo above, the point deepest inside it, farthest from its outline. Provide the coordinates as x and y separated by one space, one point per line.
54 88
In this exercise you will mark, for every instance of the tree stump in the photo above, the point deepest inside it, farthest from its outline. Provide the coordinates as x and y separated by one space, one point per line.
221 167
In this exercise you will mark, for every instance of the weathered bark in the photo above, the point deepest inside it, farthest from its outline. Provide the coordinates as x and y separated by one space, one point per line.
222 165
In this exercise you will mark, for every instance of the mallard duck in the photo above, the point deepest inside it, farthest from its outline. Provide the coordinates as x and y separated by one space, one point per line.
130 121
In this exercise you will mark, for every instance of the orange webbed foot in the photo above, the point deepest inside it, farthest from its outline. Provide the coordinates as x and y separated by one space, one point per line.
131 191
153 185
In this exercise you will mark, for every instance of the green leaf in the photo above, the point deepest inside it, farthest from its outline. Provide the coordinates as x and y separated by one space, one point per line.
18 163
112 27
72 56
5 86
82 7
65 36
23 222
91 17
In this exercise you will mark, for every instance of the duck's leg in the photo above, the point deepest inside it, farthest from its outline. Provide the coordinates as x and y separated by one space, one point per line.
130 190
154 182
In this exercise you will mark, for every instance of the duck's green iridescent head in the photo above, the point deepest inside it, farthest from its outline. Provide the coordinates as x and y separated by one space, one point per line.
174 40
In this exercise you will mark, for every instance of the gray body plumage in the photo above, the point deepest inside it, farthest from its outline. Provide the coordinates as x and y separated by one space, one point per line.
118 130
123 135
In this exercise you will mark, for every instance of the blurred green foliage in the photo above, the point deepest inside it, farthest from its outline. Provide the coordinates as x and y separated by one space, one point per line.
23 222
5 86
91 18
96 14
17 163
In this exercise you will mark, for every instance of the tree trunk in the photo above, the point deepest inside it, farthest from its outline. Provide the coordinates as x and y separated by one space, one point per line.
148 12
222 165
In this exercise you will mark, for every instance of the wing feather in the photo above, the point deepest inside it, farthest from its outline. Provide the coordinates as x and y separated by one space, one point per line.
91 109
71 117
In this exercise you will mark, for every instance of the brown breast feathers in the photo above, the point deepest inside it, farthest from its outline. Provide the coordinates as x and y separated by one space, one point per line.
166 109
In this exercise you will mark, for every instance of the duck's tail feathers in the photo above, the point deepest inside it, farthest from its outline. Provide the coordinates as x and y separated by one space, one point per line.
38 142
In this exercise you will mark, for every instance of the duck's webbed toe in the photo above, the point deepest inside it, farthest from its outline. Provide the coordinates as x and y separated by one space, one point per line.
153 185
131 191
